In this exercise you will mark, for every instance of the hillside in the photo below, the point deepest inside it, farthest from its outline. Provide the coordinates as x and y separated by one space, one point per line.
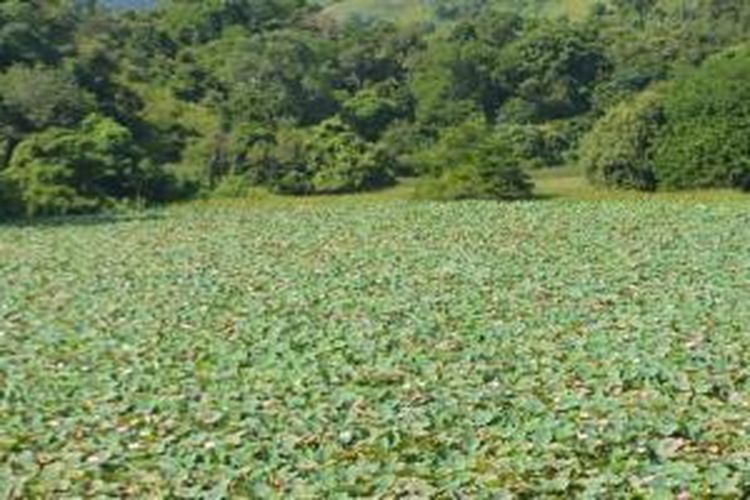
410 11
129 4
402 11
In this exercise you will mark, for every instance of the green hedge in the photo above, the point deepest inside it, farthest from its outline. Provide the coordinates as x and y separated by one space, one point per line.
691 133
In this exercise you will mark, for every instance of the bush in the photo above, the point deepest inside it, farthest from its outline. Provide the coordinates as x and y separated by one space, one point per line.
232 186
489 177
400 142
617 152
341 162
539 146
706 142
62 171
690 133
476 164
286 170
454 147
373 109
329 158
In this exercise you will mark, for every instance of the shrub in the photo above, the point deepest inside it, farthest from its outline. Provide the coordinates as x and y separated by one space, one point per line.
489 177
373 109
477 164
690 133
454 147
617 152
707 139
287 170
539 146
400 142
329 158
232 186
9 203
342 162
61 171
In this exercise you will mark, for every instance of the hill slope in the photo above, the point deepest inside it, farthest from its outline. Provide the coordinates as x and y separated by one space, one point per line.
129 4
408 11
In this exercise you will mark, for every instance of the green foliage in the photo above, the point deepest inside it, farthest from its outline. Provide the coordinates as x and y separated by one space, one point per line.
539 146
275 76
255 92
373 53
287 170
341 162
373 109
706 141
533 79
329 158
232 186
691 133
619 150
541 349
455 146
62 171
10 205
200 21
402 142
36 98
33 32
470 162
551 71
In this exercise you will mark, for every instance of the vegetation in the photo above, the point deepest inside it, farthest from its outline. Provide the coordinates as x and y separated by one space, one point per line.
317 322
690 133
619 150
379 349
329 97
707 112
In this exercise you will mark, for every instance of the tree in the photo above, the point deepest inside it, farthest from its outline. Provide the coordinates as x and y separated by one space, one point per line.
274 77
193 22
329 158
689 133
34 32
61 171
618 151
706 142
340 162
552 70
640 7
472 162
373 109
38 97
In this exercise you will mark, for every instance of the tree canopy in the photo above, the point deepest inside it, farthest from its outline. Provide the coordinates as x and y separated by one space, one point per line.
295 97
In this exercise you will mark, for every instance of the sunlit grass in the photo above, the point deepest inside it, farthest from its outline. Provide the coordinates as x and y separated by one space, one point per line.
570 183
558 184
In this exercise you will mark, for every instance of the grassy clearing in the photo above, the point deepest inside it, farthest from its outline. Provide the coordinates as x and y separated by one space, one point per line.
568 183
322 348
415 11
563 184
402 12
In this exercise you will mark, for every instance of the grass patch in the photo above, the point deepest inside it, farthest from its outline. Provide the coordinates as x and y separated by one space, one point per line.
568 183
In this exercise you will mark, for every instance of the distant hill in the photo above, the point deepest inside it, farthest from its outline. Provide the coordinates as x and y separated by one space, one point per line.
128 4
409 11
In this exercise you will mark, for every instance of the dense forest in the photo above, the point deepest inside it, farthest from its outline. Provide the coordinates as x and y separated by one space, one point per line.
101 107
